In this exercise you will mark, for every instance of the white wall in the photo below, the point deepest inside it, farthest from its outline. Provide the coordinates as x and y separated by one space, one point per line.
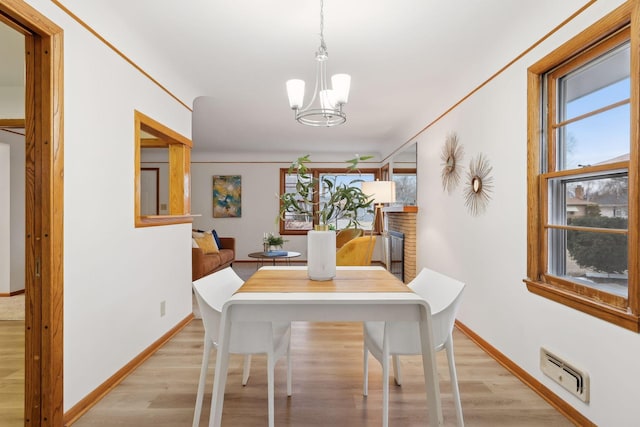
18 216
5 216
12 102
12 216
115 276
16 209
489 252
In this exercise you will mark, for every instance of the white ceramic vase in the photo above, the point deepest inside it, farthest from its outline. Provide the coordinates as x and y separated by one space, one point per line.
321 255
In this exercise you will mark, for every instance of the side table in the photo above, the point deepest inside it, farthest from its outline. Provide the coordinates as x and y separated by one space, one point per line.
262 256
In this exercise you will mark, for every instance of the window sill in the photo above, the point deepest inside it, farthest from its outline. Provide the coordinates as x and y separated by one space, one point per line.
594 308
159 220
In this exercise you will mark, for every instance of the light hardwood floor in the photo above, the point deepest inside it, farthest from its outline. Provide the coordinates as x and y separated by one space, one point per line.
11 373
327 387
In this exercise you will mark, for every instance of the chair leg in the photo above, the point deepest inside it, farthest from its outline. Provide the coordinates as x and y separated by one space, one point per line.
385 378
246 369
203 379
454 381
270 392
365 371
289 369
397 369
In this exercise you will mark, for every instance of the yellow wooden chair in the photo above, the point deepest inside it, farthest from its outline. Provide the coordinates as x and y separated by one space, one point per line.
346 234
356 251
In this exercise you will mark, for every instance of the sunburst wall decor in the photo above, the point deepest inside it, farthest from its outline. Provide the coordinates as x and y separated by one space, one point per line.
451 155
479 185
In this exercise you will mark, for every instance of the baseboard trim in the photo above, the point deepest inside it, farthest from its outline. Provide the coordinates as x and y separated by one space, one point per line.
550 397
11 294
80 408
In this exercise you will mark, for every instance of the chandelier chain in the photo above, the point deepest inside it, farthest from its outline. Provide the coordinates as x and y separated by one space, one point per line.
323 46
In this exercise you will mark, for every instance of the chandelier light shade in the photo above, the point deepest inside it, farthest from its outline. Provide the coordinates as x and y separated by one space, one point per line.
325 106
295 91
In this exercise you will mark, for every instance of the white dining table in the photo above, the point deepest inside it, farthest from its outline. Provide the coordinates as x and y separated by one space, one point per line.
356 294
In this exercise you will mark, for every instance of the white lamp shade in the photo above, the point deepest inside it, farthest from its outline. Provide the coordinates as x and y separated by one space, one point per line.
327 99
380 191
295 91
341 83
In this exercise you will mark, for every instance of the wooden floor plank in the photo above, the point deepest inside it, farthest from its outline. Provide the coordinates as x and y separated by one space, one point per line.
11 373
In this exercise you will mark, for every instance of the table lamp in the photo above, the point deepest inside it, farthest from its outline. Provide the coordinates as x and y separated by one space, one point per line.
381 192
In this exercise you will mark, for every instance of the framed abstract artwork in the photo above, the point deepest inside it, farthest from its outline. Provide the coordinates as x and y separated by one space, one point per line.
227 196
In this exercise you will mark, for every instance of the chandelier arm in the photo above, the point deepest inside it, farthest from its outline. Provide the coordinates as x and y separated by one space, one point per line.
323 75
315 89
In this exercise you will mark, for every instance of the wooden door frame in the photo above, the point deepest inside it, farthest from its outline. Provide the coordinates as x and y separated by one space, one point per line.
44 212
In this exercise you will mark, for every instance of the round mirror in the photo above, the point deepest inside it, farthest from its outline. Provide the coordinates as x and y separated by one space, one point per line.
476 184
451 163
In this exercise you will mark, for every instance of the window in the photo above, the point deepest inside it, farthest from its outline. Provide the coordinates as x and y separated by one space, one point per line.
583 147
299 223
152 137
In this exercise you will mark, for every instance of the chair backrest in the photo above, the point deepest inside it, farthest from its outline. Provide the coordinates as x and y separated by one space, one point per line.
357 251
443 294
346 234
212 292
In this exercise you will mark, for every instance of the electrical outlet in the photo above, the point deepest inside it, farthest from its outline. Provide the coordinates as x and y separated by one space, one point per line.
163 308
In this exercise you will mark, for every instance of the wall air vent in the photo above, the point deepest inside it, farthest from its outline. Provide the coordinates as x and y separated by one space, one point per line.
575 380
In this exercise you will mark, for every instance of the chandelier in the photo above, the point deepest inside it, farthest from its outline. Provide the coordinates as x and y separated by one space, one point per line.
325 107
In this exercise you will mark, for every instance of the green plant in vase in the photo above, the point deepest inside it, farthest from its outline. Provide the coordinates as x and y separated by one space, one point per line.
335 201
270 241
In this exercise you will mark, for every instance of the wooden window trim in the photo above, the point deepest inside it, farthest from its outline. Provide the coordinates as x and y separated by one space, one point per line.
405 171
385 172
179 172
316 175
627 313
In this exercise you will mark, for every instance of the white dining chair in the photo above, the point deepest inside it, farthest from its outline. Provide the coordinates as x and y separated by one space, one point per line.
270 338
443 294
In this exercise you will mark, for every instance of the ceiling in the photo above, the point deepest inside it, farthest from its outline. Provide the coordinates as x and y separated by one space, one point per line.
409 60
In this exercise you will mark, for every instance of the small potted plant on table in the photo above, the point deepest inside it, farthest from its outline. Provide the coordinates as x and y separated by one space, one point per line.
270 240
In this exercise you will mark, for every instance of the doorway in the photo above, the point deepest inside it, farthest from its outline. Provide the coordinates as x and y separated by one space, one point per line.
43 211
12 227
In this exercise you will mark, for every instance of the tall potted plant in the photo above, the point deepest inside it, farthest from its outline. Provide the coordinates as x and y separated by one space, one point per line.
336 201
